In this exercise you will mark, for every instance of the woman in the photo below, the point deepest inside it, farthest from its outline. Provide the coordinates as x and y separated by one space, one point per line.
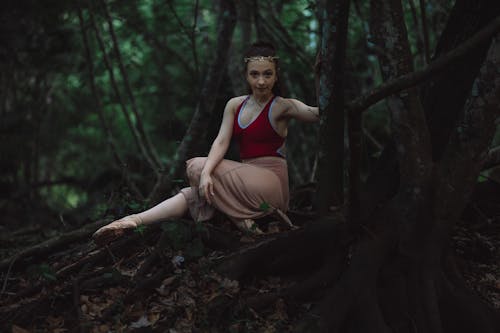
244 190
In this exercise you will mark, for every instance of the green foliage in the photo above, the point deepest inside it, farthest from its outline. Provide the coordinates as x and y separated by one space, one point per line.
136 206
481 178
264 206
63 197
54 144
98 211
140 229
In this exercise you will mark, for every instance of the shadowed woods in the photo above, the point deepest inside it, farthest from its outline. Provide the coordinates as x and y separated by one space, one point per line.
395 246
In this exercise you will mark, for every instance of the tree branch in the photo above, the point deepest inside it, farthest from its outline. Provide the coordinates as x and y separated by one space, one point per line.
114 85
51 245
425 31
403 82
468 146
104 123
190 33
206 103
409 128
275 27
145 142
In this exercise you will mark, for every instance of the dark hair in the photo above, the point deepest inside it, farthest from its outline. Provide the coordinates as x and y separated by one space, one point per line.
265 49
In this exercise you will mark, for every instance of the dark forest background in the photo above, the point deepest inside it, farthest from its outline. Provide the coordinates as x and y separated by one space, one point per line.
68 146
102 101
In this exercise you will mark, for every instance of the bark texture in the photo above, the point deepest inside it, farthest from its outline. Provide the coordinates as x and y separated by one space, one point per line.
334 23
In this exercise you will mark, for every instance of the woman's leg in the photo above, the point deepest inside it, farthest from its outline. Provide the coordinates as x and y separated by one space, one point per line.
173 207
240 190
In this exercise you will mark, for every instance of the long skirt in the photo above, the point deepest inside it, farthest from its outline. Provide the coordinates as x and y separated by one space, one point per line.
242 190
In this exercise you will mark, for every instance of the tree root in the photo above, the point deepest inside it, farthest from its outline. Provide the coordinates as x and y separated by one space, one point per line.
41 250
310 288
278 253
381 290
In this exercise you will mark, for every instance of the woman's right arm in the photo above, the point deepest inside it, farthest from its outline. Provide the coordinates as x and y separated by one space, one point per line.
218 149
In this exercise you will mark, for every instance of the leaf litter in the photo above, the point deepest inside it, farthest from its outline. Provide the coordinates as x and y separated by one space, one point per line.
193 298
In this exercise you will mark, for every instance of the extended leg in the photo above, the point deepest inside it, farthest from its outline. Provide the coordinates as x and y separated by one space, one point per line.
173 207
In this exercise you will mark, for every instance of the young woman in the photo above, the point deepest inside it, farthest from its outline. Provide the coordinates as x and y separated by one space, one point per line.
241 190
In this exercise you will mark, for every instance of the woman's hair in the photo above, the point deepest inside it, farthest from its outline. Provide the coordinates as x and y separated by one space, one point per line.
264 49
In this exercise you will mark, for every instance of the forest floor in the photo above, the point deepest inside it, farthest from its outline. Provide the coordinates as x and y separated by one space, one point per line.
84 288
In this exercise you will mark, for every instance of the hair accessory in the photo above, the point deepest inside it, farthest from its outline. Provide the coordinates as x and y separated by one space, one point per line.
261 58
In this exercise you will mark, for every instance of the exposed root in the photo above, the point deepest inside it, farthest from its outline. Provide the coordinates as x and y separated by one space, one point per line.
41 250
310 288
464 311
278 253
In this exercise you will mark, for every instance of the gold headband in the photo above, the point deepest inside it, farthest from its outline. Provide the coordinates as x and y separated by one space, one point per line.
261 58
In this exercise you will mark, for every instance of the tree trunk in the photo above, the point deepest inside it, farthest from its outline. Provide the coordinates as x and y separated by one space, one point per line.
331 104
205 107
458 170
466 34
444 95
399 275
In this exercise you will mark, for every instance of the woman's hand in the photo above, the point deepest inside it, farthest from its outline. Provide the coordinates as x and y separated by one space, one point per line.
206 187
114 230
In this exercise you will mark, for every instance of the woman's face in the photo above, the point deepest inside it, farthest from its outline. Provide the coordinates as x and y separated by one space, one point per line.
261 76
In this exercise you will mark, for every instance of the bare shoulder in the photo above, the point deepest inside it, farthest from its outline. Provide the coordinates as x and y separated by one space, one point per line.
293 108
280 102
234 102
282 105
285 101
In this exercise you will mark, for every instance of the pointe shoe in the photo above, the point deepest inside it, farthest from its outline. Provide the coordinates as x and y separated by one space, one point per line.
249 226
115 229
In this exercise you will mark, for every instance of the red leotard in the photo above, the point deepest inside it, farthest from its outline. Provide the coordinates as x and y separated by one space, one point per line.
259 138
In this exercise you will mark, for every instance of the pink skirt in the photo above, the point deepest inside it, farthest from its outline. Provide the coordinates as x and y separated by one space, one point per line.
243 190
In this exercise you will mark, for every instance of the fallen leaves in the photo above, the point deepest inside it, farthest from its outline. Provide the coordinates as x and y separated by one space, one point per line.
56 324
142 322
93 307
191 297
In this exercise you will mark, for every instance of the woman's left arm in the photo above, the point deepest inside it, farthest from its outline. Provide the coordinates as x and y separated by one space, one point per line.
295 109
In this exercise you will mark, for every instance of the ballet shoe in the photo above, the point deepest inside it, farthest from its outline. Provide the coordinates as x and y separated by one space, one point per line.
115 229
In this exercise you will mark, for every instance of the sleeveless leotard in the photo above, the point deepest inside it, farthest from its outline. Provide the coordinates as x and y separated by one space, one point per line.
259 138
